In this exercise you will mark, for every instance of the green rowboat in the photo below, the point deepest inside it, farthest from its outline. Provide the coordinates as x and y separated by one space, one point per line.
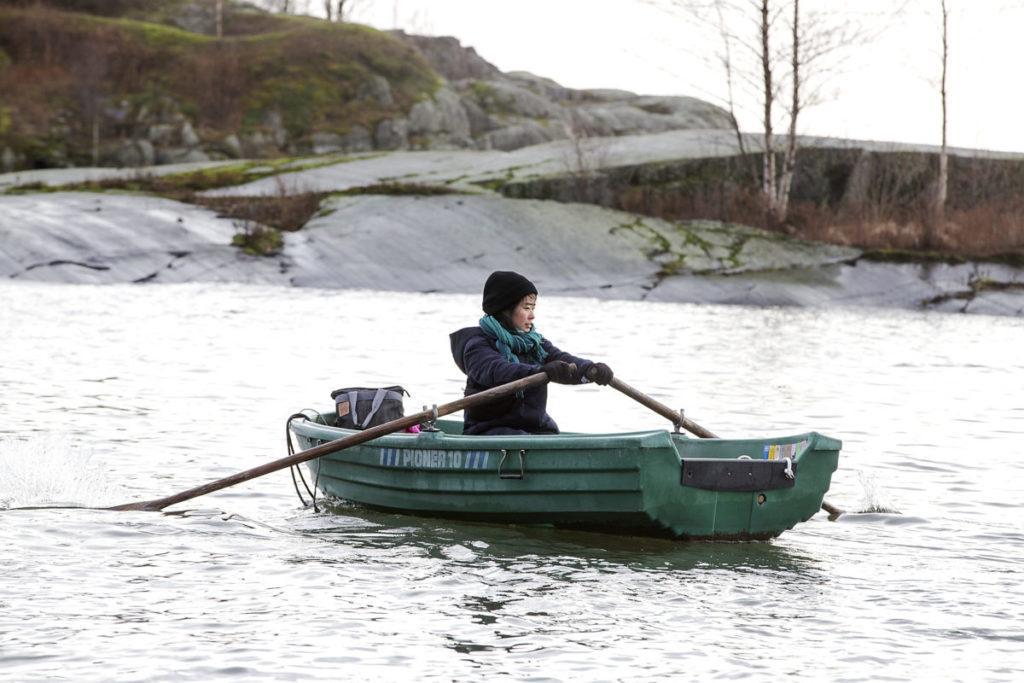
653 483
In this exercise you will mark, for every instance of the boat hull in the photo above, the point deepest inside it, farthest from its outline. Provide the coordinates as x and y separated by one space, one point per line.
644 483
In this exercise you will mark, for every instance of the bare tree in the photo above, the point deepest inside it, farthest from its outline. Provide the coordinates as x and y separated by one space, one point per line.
219 10
775 182
338 10
942 183
812 54
768 101
781 56
726 60
286 6
781 204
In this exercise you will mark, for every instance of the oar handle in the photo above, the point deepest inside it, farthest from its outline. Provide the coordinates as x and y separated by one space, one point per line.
355 439
674 416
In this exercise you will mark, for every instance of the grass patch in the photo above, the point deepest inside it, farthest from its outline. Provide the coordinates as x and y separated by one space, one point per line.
986 284
657 108
492 184
910 256
257 240
409 189
31 188
286 212
184 186
181 187
1015 259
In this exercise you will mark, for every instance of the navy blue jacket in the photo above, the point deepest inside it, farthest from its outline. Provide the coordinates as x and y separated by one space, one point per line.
477 355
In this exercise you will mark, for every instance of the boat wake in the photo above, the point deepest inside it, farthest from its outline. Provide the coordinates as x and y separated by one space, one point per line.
49 472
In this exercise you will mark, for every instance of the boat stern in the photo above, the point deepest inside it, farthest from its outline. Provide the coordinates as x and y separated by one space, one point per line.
740 489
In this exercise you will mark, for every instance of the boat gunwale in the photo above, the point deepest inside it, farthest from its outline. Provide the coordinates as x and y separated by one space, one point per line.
655 438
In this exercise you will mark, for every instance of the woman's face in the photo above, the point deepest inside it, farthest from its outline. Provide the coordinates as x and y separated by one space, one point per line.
522 314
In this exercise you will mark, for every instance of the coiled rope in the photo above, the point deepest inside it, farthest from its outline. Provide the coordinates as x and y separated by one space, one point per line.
295 468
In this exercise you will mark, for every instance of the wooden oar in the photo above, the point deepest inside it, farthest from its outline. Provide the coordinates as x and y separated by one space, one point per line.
676 417
401 423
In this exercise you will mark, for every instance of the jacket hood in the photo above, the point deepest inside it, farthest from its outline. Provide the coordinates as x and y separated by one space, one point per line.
459 339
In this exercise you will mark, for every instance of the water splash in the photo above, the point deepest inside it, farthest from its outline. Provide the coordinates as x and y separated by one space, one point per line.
50 471
875 499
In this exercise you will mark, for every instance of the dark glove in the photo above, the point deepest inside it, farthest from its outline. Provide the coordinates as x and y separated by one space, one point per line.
561 372
599 373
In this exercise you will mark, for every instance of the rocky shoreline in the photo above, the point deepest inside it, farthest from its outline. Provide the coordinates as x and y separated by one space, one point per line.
419 166
450 242
497 157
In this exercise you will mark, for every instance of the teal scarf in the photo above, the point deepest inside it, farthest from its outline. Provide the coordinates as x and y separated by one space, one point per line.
526 344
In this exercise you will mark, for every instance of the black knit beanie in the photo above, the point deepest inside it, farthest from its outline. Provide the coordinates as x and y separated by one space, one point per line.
504 289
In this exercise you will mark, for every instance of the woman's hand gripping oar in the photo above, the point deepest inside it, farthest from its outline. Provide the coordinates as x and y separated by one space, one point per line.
400 424
677 418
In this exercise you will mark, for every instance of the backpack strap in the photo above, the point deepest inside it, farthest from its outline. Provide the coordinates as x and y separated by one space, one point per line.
378 398
353 402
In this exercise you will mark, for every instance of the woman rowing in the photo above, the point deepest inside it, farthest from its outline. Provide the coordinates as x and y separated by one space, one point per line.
505 347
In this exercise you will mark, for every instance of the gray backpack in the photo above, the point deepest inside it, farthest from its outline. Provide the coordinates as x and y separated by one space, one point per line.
362 407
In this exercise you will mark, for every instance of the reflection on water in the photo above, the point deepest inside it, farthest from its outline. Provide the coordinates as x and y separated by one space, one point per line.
112 394
543 545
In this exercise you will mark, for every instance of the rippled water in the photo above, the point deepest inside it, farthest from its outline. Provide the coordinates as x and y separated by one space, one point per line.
114 394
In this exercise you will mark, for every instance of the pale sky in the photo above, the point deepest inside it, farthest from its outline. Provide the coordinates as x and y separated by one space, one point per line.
887 90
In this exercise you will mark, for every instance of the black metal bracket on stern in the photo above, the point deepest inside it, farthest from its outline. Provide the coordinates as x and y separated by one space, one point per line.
737 475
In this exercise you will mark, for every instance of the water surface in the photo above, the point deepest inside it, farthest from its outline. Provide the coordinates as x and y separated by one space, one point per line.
113 394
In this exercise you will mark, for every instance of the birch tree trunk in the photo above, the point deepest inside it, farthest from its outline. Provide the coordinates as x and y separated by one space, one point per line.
942 184
219 11
781 206
819 38
768 170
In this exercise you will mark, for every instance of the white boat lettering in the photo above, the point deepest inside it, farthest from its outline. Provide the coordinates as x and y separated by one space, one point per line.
419 458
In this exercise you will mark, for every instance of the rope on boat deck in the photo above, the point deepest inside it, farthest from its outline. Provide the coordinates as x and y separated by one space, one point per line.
295 468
